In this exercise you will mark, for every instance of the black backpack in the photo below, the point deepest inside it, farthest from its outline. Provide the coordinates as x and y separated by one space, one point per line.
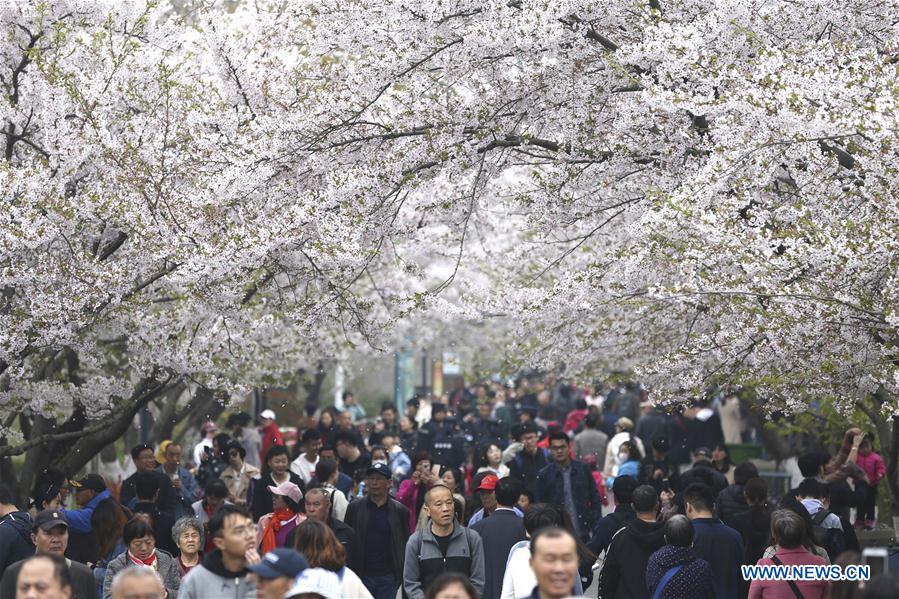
831 539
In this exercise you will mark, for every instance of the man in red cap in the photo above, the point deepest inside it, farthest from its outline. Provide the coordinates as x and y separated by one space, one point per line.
487 492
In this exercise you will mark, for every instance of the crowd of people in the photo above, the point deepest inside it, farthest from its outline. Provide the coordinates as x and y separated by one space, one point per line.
500 492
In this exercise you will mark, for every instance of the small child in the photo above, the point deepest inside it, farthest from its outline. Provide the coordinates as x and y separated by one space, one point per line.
592 463
866 491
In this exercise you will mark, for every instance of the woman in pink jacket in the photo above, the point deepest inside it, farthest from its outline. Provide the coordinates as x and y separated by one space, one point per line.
412 490
788 530
866 490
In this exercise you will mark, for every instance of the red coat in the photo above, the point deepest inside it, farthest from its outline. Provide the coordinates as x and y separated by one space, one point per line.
574 420
271 435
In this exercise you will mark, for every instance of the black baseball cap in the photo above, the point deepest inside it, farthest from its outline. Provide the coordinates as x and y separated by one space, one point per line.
381 469
279 562
49 519
92 481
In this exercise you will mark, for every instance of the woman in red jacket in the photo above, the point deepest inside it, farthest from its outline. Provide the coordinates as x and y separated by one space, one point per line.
271 434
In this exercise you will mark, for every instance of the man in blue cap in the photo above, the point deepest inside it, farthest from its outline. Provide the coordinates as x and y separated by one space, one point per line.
276 572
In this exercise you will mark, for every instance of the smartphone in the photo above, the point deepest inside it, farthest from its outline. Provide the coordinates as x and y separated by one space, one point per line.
435 470
877 558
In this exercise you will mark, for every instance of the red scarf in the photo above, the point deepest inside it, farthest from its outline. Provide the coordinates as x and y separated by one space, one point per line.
150 561
278 519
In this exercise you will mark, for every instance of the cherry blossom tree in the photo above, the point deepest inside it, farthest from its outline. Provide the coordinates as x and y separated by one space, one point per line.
703 192
168 219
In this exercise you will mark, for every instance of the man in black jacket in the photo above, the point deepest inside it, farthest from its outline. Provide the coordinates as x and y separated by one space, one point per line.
731 501
525 459
381 525
569 484
606 527
499 532
15 531
146 490
318 507
703 471
145 461
50 534
624 571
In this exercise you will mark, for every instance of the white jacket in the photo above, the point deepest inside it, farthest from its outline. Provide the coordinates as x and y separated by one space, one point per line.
519 579
352 585
611 466
339 501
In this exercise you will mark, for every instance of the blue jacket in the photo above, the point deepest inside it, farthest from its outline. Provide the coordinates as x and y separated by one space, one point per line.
15 539
80 520
551 489
188 494
722 547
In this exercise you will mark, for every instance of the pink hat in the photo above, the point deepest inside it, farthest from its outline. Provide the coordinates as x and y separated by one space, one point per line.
288 489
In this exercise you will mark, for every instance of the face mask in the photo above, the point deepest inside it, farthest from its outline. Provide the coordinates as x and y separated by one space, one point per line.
373 462
622 458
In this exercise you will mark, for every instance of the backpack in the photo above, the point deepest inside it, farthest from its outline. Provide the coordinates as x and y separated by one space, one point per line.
831 539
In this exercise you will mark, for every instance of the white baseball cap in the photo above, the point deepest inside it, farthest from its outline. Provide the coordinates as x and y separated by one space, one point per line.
317 581
267 414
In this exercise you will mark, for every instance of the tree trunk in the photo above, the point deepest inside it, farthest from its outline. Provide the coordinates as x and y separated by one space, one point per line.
776 446
313 387
892 464
169 414
71 454
203 406
888 435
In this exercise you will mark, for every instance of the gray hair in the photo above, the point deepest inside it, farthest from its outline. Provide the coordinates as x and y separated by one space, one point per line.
135 572
184 524
787 528
679 531
319 491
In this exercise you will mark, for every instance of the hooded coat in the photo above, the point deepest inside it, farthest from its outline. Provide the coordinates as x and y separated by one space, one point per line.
210 580
623 573
15 539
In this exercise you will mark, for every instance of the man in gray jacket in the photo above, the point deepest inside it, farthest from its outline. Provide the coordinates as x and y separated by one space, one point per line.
442 546
223 573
